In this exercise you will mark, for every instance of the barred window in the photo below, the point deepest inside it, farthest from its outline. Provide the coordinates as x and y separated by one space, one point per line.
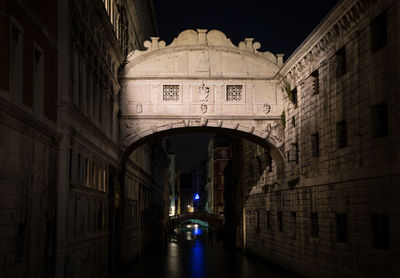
234 92
314 145
380 231
341 134
293 224
170 92
341 227
341 64
380 126
315 81
269 220
378 29
314 225
280 221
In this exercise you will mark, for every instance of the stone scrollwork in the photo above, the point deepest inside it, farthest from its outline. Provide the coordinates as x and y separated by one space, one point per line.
130 130
274 133
203 121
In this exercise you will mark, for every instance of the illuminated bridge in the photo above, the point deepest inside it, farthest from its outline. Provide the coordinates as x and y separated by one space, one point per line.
214 220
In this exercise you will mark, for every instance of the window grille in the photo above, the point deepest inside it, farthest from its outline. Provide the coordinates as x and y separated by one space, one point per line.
170 92
234 92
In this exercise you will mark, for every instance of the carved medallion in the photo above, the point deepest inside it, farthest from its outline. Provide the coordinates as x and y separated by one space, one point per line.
139 108
266 108
203 108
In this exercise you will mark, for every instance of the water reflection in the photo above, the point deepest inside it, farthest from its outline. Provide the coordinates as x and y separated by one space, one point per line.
192 253
197 260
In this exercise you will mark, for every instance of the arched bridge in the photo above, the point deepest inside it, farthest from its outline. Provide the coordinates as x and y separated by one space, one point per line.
202 80
214 220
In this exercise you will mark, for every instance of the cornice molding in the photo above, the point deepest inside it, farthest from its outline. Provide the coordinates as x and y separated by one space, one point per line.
334 26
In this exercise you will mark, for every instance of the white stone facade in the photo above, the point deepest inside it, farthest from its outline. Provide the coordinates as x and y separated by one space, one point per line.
201 80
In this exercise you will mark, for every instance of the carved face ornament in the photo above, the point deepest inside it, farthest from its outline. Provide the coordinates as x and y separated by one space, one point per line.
266 108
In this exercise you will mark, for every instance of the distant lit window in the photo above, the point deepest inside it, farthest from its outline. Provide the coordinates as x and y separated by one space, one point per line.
234 92
170 92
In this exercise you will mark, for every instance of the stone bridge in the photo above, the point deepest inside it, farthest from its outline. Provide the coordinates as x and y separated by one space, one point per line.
213 220
201 81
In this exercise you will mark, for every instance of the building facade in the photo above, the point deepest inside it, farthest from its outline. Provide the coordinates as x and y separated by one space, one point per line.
28 137
62 196
336 213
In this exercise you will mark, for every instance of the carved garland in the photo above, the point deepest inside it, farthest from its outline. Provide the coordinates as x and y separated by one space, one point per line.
322 46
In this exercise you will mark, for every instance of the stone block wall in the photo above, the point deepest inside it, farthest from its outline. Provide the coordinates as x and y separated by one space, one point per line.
337 213
28 158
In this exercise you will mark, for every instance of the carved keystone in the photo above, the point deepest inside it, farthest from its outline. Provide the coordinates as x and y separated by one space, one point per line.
202 35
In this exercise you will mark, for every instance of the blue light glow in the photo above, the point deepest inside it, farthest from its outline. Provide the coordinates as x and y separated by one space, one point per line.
197 231
196 196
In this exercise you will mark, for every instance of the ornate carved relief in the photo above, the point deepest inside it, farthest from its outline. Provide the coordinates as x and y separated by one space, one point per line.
203 108
323 45
203 121
204 92
139 108
266 108
130 130
274 133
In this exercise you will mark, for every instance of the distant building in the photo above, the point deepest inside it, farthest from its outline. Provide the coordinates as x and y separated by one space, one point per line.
173 192
186 193
219 154
199 175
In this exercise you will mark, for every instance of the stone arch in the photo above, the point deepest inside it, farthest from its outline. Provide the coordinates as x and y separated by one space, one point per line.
271 144
202 81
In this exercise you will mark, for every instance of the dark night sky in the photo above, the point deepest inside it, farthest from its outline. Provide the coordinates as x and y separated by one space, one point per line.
280 27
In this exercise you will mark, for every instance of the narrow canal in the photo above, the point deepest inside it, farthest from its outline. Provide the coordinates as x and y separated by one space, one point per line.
193 252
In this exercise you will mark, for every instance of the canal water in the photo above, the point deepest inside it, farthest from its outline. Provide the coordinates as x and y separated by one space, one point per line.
195 253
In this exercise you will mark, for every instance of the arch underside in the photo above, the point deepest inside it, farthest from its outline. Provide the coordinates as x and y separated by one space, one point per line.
266 133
